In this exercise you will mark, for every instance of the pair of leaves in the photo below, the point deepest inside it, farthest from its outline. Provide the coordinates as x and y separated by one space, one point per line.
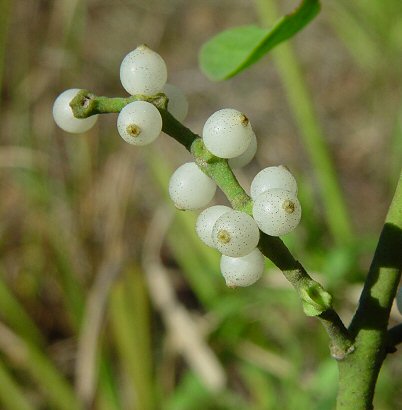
232 51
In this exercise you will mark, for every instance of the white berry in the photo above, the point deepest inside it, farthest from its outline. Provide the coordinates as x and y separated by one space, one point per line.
273 177
178 104
243 159
227 133
399 299
139 123
190 188
143 71
277 211
206 221
242 271
64 117
235 234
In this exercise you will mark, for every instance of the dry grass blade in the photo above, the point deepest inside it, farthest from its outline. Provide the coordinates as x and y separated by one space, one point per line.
264 359
187 337
85 369
119 185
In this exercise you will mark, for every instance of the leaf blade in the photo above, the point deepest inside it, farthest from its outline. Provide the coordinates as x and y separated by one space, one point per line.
233 50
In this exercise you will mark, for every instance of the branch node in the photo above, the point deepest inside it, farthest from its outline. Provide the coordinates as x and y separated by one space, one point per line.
340 353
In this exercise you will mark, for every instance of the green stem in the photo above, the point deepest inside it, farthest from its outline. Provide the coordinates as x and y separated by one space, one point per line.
316 301
85 104
359 371
219 170
302 107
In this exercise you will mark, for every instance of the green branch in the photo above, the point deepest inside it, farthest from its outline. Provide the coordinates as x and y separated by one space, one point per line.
316 301
358 372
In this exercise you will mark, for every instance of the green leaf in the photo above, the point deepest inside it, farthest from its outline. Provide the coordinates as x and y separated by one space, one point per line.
233 50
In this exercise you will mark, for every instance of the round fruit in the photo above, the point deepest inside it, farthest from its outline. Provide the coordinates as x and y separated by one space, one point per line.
190 188
64 117
243 159
139 123
235 234
143 71
277 211
206 221
227 133
273 177
242 271
178 104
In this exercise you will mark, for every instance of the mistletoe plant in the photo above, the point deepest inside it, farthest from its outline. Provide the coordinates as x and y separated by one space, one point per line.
250 229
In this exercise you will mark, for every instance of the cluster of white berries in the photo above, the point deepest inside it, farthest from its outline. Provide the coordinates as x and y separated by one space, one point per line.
226 134
276 210
143 72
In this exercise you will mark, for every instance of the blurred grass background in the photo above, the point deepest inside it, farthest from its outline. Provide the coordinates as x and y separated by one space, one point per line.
107 298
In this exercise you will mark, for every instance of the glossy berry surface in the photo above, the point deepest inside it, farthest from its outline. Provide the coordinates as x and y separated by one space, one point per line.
143 71
244 270
206 221
235 234
139 123
227 133
277 211
245 158
190 188
273 177
64 117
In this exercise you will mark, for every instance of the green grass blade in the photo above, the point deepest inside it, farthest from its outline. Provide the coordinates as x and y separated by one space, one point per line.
50 380
314 142
233 50
11 396
108 397
16 317
355 36
203 279
129 310
43 372
73 294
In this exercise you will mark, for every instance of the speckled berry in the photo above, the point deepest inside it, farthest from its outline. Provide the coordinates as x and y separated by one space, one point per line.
277 211
244 270
206 221
139 123
227 133
245 158
190 188
235 234
273 177
143 71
